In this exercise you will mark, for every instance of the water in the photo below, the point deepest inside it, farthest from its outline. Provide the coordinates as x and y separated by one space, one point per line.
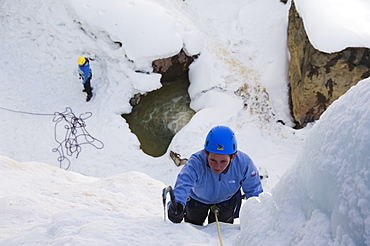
160 115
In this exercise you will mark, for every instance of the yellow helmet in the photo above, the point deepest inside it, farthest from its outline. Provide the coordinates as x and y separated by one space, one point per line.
81 60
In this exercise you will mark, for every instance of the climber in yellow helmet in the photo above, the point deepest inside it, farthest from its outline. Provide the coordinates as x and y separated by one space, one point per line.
86 75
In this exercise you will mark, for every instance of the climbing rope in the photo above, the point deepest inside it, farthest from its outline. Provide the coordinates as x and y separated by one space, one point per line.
23 112
75 136
216 210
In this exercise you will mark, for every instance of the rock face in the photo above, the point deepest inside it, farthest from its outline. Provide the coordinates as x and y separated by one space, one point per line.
317 79
173 67
170 68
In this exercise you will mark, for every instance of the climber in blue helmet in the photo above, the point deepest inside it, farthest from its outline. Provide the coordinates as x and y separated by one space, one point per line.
214 176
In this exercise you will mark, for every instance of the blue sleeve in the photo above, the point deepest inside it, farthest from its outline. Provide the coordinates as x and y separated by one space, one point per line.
85 72
186 180
252 184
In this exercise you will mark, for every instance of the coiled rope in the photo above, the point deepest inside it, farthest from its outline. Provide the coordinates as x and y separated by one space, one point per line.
75 137
216 210
76 134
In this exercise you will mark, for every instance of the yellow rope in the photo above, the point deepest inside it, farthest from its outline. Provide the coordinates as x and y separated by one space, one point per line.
215 209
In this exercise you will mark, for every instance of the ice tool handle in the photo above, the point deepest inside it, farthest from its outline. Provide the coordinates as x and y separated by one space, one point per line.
166 190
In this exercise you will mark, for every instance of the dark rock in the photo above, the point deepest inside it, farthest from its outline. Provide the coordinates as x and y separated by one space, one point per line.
317 79
173 67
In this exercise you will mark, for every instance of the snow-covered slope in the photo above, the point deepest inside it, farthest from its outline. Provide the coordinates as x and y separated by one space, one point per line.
118 202
45 205
42 41
324 198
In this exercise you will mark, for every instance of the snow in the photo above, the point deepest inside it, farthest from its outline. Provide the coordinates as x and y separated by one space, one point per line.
333 25
317 191
144 39
324 198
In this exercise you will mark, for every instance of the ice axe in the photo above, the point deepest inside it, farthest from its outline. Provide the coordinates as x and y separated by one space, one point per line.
166 190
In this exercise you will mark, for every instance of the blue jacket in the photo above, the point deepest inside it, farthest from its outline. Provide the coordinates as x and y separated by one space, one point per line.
84 71
197 180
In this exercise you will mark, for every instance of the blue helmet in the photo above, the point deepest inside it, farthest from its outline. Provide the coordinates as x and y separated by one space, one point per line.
221 140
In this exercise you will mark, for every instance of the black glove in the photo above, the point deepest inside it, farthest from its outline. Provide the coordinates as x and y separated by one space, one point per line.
176 212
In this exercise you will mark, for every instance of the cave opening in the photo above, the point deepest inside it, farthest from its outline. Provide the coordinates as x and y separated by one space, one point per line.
160 114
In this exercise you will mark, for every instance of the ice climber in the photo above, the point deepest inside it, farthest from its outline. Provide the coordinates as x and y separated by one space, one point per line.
214 176
86 75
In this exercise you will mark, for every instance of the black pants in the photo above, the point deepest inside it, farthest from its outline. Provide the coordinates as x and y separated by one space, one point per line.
196 212
87 87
